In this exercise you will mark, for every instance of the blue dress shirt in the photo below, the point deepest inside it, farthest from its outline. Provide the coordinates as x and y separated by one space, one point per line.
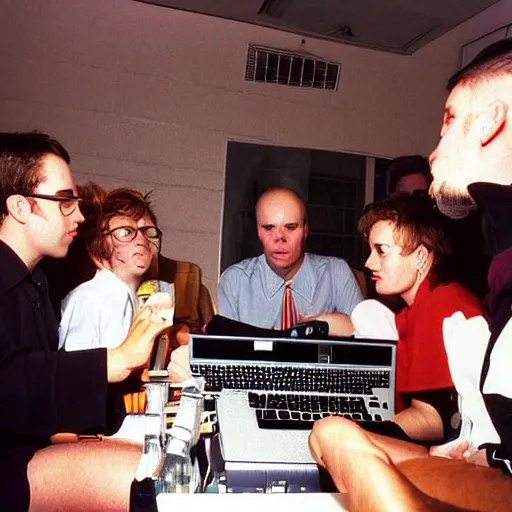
251 292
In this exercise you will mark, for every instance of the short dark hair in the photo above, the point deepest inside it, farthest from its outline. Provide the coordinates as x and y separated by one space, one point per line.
405 166
493 60
100 206
417 222
21 158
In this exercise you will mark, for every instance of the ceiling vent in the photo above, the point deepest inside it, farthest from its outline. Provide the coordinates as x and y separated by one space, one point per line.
295 69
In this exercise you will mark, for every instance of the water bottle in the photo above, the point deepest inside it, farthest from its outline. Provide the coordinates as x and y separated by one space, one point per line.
178 471
157 395
142 490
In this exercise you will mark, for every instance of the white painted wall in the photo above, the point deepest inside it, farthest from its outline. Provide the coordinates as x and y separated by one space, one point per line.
147 97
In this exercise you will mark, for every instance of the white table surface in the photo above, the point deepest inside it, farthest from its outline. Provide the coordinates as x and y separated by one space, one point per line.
296 502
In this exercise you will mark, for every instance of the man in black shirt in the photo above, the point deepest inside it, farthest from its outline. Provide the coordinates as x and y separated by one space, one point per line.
44 391
472 170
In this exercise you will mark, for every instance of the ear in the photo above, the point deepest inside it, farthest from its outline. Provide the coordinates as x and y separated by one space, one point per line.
19 208
423 258
306 231
492 121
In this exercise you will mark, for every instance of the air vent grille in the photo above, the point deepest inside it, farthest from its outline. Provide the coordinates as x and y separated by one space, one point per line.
294 69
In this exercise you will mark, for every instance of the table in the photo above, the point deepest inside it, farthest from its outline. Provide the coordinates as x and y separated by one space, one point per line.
298 502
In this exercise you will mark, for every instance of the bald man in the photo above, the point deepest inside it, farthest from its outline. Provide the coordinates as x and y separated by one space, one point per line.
322 287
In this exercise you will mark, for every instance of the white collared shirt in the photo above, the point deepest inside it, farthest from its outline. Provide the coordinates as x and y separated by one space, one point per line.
97 314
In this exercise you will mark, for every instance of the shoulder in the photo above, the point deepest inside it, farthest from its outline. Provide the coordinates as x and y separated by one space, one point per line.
453 291
241 270
90 291
454 297
335 266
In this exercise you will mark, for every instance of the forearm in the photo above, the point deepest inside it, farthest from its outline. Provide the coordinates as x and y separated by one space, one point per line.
117 366
340 324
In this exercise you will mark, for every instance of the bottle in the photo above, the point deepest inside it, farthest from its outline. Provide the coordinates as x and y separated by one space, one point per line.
143 496
157 395
178 471
142 490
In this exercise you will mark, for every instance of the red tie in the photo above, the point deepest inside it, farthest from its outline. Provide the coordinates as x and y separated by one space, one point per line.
289 315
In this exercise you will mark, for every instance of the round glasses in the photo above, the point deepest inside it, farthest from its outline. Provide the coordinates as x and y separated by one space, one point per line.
67 204
125 234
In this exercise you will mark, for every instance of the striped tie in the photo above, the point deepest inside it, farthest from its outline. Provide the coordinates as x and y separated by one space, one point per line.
289 315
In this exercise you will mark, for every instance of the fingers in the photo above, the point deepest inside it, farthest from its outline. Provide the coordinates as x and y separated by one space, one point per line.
160 299
453 450
179 368
177 374
183 335
161 309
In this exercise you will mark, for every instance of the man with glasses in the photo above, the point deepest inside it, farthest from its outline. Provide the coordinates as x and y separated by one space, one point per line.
43 390
122 239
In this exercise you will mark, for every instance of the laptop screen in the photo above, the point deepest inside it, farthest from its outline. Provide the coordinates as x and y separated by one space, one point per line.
347 352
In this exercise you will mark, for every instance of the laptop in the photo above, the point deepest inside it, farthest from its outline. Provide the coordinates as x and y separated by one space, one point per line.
270 391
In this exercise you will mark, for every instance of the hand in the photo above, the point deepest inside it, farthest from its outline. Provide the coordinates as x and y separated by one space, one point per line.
456 450
154 317
179 367
479 458
339 323
183 335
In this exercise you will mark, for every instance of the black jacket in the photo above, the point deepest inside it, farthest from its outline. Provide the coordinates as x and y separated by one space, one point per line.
495 206
42 390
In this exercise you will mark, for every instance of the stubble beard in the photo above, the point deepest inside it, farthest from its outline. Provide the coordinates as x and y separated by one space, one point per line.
455 204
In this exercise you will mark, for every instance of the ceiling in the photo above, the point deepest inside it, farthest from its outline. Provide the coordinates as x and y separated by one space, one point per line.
398 26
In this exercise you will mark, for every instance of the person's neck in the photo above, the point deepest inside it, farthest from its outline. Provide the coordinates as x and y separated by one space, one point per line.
409 296
289 273
133 283
18 244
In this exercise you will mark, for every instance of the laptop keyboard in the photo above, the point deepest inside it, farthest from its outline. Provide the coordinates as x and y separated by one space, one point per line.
291 379
299 412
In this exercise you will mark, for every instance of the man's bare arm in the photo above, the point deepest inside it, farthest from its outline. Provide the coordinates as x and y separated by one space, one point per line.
134 352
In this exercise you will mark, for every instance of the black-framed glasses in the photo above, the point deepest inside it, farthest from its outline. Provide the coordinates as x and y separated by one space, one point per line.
125 234
67 204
